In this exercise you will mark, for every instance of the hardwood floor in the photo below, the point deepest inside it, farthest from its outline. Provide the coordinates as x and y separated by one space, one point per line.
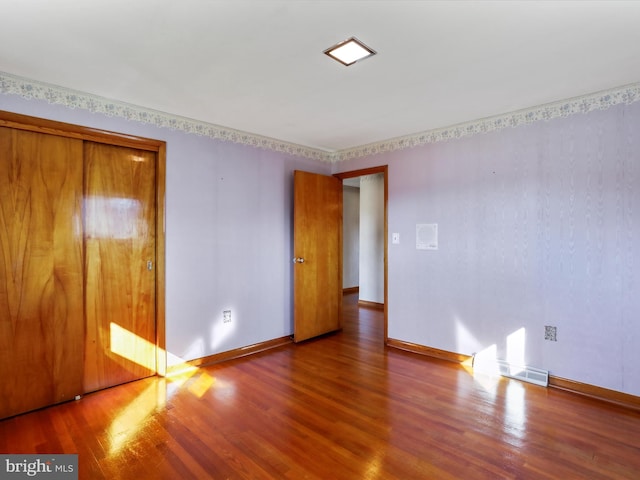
338 407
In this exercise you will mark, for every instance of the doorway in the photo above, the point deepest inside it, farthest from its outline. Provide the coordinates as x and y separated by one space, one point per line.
375 295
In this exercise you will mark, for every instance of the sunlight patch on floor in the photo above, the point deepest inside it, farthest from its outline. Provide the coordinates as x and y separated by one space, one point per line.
132 418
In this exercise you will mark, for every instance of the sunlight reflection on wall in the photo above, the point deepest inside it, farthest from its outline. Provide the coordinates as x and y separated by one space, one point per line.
220 331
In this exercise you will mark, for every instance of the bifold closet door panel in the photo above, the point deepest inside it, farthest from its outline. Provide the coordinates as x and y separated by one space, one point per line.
119 229
41 284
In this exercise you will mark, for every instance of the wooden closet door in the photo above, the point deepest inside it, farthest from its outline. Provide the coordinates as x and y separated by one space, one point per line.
120 259
41 287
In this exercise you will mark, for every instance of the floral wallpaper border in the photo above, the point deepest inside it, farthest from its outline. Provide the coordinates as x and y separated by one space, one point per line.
31 89
584 104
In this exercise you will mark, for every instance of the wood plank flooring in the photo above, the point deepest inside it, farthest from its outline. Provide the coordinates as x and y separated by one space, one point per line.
338 407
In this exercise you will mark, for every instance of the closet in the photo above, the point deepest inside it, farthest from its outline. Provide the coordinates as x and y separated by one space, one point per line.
81 261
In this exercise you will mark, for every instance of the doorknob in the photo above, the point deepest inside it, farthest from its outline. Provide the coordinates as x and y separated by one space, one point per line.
298 260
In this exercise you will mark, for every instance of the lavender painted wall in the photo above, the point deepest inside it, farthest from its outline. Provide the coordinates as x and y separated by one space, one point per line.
538 225
228 233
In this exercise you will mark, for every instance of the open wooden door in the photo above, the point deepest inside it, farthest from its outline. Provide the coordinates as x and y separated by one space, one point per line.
317 246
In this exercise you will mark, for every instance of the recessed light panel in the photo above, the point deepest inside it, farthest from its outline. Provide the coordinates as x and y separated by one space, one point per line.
350 51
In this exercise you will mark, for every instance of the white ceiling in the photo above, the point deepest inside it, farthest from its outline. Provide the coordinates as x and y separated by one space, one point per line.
257 65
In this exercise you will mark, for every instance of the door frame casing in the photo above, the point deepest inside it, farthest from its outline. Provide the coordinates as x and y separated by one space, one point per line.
384 169
61 129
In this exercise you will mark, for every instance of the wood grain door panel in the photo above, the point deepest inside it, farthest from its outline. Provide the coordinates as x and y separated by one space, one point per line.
120 259
318 241
41 285
78 247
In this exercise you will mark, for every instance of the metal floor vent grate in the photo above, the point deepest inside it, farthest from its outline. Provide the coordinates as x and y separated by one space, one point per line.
506 369
526 374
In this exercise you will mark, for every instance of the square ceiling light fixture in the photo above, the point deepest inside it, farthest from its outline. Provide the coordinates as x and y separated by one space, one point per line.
350 51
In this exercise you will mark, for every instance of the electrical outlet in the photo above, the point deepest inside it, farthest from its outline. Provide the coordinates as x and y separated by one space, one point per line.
550 333
226 316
